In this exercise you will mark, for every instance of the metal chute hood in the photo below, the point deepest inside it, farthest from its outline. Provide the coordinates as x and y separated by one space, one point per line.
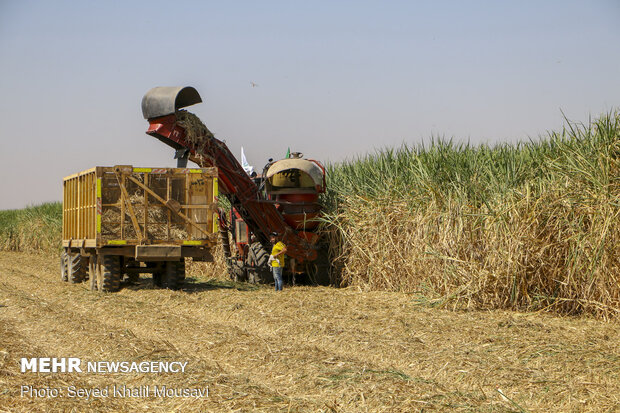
165 100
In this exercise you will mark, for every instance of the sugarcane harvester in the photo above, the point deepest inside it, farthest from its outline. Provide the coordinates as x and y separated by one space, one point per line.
283 200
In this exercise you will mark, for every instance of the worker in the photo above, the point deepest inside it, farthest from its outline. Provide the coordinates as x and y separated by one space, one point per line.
276 259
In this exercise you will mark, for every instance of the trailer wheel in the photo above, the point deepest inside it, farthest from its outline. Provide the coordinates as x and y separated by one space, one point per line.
181 272
158 273
76 268
63 266
158 279
174 274
131 263
111 273
258 267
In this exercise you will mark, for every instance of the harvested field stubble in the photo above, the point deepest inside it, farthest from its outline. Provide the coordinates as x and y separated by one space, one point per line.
531 226
305 349
214 269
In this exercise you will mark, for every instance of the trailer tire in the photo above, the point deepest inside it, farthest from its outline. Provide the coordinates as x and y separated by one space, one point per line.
174 275
63 267
111 273
158 279
181 272
76 268
130 263
157 271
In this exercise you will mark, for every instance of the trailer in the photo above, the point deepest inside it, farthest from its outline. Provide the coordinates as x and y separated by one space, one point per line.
123 221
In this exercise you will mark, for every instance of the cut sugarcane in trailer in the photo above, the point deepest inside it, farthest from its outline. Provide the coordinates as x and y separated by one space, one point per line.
123 221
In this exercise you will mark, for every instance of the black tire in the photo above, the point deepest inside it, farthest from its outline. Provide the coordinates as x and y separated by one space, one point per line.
236 270
76 268
258 255
111 270
64 273
257 265
174 275
127 264
158 273
181 272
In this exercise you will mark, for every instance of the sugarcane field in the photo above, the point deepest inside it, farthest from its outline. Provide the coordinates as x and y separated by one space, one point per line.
336 207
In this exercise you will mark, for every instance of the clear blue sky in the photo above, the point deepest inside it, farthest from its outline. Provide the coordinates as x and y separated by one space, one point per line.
335 79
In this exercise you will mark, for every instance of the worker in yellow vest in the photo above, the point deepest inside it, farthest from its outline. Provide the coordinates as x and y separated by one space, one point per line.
276 259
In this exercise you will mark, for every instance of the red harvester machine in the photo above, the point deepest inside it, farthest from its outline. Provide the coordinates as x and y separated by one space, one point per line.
284 199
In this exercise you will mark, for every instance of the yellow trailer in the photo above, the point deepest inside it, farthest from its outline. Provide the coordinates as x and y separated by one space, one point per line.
123 221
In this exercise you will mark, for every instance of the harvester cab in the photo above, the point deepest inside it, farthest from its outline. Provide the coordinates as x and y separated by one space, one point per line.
284 199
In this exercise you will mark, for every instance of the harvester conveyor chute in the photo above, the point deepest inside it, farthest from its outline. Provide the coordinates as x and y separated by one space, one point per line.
159 107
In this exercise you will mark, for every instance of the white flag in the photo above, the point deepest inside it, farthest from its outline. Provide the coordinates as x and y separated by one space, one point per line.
244 163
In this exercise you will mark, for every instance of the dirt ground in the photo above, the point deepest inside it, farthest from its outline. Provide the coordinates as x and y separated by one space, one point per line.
305 349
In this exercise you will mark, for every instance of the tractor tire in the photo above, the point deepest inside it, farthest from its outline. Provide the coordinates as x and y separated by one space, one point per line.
257 265
76 268
111 273
64 273
174 275
236 270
